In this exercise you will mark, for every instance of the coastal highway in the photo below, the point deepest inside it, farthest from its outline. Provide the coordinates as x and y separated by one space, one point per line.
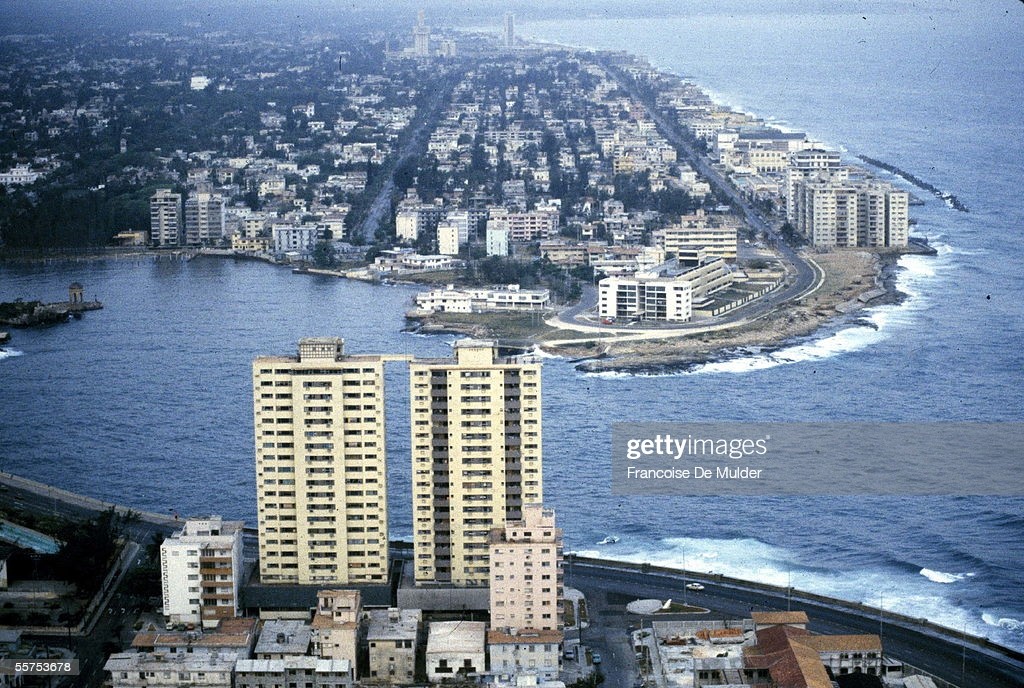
608 589
803 275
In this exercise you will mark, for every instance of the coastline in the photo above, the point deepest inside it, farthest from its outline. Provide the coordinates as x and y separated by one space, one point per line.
854 279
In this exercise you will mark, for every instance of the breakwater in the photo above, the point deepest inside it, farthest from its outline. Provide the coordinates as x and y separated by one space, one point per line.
951 200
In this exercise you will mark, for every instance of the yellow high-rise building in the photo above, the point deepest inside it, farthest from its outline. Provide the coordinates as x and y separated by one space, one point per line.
320 466
476 457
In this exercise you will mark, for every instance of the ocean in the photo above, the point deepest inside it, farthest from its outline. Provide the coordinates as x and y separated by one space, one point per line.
148 401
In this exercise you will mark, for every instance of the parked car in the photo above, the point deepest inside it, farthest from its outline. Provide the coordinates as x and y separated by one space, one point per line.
596 658
694 586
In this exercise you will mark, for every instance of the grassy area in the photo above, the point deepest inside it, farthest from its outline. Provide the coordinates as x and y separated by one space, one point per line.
678 608
584 617
569 615
514 325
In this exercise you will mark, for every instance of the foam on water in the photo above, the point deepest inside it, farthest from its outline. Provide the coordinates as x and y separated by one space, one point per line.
891 589
10 353
876 324
1003 622
942 577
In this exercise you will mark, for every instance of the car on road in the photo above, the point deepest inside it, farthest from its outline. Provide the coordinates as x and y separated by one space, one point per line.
694 586
596 658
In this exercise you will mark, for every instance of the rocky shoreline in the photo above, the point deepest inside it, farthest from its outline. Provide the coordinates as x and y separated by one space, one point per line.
783 327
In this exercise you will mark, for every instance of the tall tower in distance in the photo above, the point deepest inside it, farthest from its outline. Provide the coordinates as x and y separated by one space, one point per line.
421 36
476 457
320 466
509 31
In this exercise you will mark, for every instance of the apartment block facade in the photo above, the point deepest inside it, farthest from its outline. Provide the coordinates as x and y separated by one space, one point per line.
165 218
526 573
201 570
476 457
204 218
320 466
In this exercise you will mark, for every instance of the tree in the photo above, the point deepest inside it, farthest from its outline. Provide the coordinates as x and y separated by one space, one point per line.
324 255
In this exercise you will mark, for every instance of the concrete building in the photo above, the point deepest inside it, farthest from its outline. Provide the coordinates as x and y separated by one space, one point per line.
497 237
296 672
149 670
448 238
300 238
335 625
391 637
204 218
531 226
201 570
165 219
421 36
831 213
718 237
408 225
509 298
508 33
526 573
455 649
805 163
320 466
525 652
645 298
281 638
476 457
667 292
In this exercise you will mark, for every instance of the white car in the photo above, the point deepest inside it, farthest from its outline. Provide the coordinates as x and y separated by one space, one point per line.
694 586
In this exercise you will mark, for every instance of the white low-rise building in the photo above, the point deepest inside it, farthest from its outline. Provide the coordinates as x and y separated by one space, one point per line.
407 260
510 298
184 670
526 651
455 649
307 672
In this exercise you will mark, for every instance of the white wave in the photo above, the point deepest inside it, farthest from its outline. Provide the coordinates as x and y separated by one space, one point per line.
610 374
942 577
914 271
592 553
10 353
1003 622
749 559
540 353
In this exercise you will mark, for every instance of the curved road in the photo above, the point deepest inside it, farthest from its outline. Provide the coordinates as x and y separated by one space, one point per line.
802 274
608 589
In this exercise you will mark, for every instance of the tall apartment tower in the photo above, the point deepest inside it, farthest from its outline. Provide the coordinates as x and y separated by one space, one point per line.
201 570
508 33
421 36
476 457
320 466
165 221
204 218
526 572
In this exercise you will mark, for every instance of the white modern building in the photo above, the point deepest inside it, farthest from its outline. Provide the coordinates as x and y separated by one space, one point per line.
510 298
497 237
165 218
200 571
455 649
204 218
307 672
300 238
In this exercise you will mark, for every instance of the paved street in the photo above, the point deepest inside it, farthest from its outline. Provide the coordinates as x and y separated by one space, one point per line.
605 590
